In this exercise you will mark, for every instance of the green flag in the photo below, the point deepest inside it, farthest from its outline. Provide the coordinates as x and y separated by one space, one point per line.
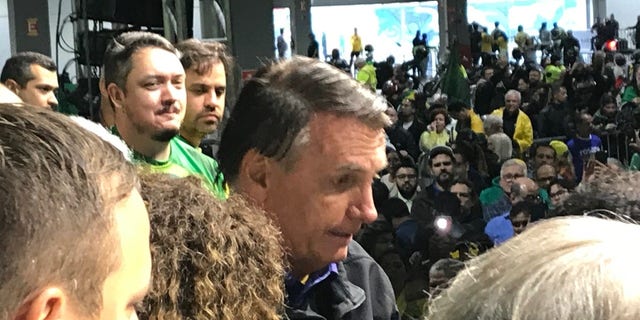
454 80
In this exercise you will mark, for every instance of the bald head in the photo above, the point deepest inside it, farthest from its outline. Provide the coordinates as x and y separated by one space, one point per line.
545 174
523 188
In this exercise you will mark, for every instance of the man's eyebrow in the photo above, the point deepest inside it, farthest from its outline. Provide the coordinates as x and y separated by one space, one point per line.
350 167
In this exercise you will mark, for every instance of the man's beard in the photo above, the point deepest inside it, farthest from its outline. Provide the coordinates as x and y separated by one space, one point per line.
443 181
165 135
407 194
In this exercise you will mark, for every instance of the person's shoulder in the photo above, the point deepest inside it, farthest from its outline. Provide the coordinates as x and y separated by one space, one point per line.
490 195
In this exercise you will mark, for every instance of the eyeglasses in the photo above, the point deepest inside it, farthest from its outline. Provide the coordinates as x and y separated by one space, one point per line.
461 194
440 164
543 179
406 176
558 193
519 224
511 176
533 197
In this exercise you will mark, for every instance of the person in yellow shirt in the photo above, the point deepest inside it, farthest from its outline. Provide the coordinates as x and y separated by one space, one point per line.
437 133
356 45
515 123
466 117
486 44
366 74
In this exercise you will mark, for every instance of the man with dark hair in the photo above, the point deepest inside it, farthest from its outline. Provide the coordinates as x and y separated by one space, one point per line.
485 90
553 120
33 77
305 141
145 82
206 65
500 229
465 116
74 231
441 162
406 182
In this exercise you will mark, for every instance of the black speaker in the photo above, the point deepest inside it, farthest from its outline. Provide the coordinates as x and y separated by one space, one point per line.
103 10
140 12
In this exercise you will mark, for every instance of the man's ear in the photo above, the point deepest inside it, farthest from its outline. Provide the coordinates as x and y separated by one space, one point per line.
116 95
12 85
253 176
48 304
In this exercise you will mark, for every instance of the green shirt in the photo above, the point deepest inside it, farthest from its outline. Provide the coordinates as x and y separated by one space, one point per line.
184 160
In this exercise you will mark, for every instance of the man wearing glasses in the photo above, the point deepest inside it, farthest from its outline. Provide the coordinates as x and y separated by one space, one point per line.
406 182
523 189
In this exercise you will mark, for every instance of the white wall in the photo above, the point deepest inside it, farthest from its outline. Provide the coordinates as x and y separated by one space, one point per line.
625 11
5 41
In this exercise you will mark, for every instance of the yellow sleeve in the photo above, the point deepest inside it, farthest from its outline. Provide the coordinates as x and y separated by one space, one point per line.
476 124
524 132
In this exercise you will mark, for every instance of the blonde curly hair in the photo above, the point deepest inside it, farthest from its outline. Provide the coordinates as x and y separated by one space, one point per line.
212 259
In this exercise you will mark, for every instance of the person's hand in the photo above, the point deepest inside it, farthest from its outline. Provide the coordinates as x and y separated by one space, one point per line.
593 169
635 145
636 100
610 126
404 153
432 126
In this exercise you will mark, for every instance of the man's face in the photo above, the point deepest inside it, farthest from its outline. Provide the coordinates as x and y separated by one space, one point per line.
155 97
205 99
534 77
406 108
529 191
544 175
40 91
545 155
520 222
488 73
325 196
558 194
393 159
523 86
584 125
393 115
561 95
609 109
442 167
407 181
463 193
508 175
126 286
512 102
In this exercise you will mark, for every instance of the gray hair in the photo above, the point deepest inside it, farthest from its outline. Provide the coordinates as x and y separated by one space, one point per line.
514 162
491 121
274 109
502 145
513 92
579 268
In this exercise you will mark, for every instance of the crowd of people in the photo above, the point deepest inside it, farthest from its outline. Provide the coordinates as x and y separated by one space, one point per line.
325 200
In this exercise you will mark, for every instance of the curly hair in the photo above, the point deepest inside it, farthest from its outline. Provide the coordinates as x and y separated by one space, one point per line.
212 259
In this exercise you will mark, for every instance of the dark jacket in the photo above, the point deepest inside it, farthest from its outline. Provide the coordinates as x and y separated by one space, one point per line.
401 139
360 290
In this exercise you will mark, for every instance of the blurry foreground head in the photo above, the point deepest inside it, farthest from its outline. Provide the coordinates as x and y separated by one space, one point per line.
69 205
212 259
563 268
